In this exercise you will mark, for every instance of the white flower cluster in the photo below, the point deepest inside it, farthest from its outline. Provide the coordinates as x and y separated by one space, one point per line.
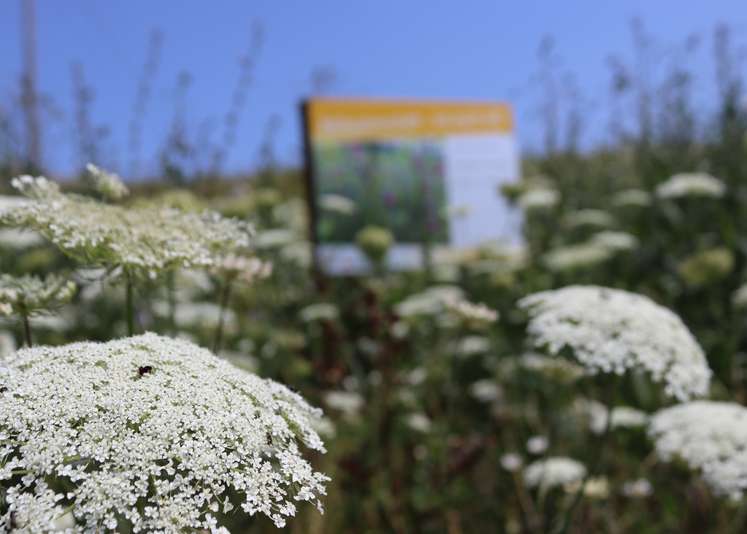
242 268
710 437
588 217
539 199
691 185
578 256
28 295
631 198
470 312
337 204
617 241
622 416
553 472
143 240
107 184
612 331
150 434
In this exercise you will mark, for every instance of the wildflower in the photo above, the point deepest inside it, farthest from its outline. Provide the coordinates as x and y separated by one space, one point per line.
242 268
622 417
739 297
613 331
595 488
155 421
141 240
553 472
616 241
551 367
538 199
472 345
485 390
537 444
428 302
589 217
337 204
471 313
321 311
579 256
511 462
30 295
691 185
347 402
710 437
418 422
637 489
107 184
631 198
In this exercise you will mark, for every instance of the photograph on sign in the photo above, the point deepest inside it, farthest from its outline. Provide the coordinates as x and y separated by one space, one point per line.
424 174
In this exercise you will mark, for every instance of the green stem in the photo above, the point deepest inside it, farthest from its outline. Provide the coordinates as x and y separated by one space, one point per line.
171 283
225 294
26 330
593 466
130 309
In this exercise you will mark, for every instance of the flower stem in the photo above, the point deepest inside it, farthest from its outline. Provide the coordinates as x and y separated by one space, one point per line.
225 294
26 330
593 466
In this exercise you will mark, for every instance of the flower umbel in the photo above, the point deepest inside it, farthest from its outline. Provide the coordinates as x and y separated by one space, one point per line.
613 331
153 433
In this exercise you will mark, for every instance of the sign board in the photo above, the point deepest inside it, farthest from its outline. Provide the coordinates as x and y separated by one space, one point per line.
427 171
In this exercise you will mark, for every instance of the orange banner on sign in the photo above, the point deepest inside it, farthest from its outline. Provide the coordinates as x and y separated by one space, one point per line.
368 120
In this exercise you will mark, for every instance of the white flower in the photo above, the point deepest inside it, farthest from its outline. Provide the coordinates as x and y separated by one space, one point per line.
485 390
554 471
30 295
142 240
631 198
470 312
551 367
739 297
241 268
691 184
588 217
539 199
622 417
511 462
321 311
155 421
637 489
617 241
347 402
472 345
578 256
537 444
613 331
429 302
711 437
337 204
595 488
418 422
108 184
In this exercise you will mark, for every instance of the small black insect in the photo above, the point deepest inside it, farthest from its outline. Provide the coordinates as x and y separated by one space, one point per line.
144 370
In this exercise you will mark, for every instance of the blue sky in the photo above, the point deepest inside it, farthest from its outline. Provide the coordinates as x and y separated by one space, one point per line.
470 49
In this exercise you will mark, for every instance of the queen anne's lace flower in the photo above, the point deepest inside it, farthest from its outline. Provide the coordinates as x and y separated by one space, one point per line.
710 437
29 295
554 471
150 432
612 331
539 199
107 184
691 185
577 256
143 239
